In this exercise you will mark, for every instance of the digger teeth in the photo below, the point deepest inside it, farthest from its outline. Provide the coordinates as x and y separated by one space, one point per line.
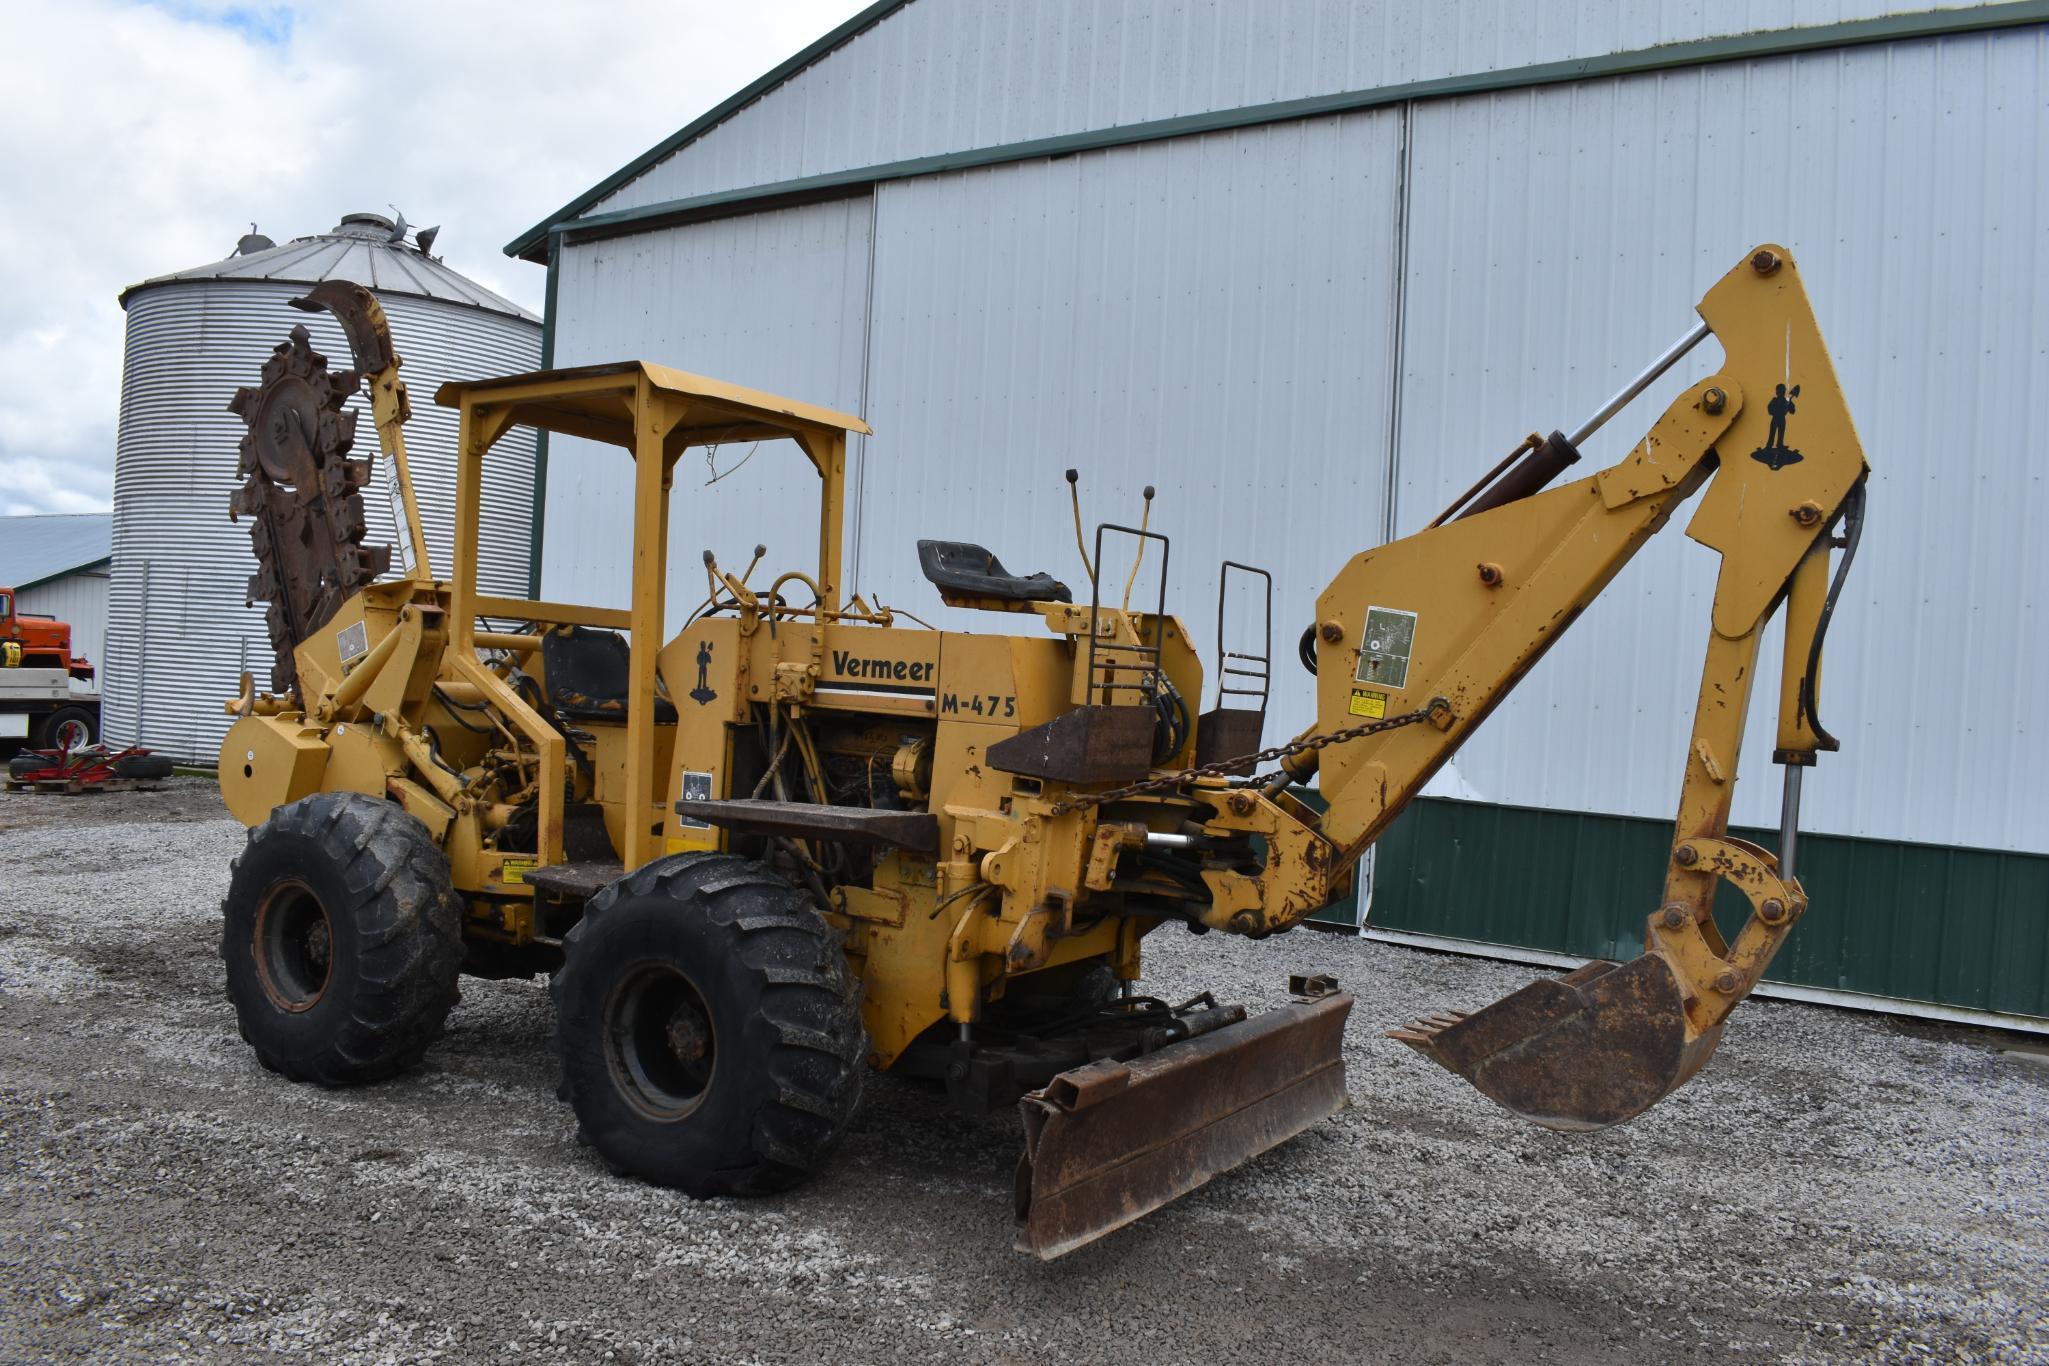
1427 1027
1594 1047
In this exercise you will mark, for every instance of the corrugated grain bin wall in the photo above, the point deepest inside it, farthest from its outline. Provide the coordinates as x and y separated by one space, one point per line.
179 633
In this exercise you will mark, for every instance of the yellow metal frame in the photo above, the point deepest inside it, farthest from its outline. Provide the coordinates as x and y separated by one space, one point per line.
1494 591
654 414
1007 890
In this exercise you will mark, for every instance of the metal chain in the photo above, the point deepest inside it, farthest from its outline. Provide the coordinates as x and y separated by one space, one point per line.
1222 768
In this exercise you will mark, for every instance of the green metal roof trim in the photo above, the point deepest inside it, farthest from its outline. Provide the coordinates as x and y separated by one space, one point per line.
533 244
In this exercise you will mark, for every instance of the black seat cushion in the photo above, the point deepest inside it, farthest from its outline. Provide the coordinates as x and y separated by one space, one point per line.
962 567
586 671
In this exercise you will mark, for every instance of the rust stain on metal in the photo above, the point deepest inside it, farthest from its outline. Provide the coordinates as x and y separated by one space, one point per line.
1109 1143
1595 1047
304 494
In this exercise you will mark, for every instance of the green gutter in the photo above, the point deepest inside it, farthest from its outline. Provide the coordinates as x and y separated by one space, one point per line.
533 572
529 244
1672 56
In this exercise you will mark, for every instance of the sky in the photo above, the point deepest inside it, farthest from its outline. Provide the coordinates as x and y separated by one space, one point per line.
140 138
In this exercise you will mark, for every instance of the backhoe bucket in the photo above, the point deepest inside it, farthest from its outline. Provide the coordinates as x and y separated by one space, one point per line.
1110 1142
1595 1047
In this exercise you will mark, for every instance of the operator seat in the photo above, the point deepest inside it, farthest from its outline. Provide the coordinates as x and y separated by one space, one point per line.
967 569
586 669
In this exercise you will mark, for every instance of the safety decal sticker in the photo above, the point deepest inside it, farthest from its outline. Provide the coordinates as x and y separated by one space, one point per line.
696 788
352 642
1775 454
1384 654
512 872
1369 704
702 693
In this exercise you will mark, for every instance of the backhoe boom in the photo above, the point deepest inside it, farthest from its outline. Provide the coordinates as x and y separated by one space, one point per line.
1462 610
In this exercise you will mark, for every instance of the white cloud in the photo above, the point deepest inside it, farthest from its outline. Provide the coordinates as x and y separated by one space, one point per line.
138 139
29 485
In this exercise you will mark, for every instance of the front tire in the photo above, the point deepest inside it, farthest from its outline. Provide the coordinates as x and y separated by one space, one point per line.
709 1028
343 938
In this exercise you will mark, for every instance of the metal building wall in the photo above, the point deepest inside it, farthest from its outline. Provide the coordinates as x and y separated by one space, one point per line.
775 301
1558 239
1190 311
947 75
1210 315
179 634
79 599
1161 313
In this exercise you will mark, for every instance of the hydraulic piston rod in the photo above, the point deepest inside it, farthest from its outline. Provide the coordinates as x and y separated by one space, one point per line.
1670 358
1789 820
1534 464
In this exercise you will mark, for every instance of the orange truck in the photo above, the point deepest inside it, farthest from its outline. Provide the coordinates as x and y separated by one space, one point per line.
41 702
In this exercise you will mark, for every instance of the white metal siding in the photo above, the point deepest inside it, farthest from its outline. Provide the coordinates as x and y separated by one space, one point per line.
953 75
1560 237
78 599
1209 315
774 301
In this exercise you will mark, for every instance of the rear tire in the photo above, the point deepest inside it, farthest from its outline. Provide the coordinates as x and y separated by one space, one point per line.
709 1028
69 728
342 938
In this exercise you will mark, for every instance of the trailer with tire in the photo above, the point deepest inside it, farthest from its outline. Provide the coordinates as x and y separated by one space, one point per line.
46 697
41 709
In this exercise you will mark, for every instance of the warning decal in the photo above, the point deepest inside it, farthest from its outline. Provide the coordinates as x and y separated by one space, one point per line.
352 642
1384 654
696 788
513 871
1369 704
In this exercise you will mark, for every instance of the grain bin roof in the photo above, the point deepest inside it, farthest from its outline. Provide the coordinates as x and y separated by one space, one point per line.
358 249
37 549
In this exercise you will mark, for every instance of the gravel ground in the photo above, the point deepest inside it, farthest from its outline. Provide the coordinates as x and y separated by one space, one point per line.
1834 1187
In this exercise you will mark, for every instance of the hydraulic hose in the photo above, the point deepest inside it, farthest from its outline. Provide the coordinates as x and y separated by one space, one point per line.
1853 530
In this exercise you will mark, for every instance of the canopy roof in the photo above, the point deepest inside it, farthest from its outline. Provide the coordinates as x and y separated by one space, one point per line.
596 401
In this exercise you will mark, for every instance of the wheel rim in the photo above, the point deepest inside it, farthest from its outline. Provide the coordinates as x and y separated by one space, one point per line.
71 735
294 945
659 1041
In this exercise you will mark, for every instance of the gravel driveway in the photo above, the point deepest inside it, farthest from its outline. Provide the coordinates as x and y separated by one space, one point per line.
1833 1187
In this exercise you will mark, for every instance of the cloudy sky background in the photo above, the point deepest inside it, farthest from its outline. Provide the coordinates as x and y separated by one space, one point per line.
142 138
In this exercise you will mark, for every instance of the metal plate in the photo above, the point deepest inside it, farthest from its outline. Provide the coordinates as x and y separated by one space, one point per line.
1111 1142
1384 653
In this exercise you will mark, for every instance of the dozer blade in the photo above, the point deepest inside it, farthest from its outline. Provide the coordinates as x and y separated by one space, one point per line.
1595 1047
1110 1142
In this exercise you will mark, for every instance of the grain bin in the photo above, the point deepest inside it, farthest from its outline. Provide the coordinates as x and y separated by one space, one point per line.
179 633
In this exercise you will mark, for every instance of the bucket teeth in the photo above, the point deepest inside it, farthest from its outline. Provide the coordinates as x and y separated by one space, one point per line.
1426 1028
1592 1048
